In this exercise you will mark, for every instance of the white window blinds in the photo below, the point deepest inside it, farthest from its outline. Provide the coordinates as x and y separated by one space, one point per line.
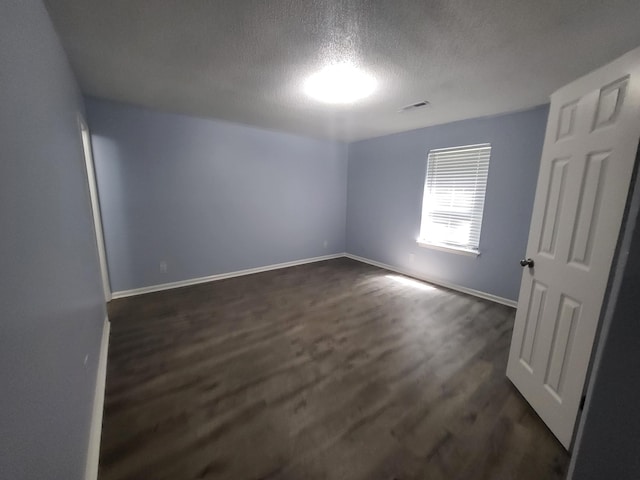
453 201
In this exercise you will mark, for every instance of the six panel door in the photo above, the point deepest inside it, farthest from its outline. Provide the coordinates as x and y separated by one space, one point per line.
587 164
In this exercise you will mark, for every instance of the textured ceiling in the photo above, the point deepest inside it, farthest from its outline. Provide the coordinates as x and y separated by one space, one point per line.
245 60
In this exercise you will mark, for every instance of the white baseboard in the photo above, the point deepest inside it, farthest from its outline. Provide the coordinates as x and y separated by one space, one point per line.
249 271
469 291
220 276
93 453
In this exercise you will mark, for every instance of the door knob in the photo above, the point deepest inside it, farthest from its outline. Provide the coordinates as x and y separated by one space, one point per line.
526 263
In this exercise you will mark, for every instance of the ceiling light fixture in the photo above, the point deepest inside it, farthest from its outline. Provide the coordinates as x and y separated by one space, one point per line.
340 83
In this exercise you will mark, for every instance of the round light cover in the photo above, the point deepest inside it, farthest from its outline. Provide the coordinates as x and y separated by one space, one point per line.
339 83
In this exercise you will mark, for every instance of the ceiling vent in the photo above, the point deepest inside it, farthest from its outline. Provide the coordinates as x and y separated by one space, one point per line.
414 106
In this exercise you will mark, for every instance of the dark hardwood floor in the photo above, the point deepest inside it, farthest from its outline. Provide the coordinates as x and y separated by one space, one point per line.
333 370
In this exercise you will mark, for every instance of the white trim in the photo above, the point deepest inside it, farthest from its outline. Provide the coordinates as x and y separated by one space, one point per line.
448 248
420 276
250 271
220 276
477 146
95 205
93 452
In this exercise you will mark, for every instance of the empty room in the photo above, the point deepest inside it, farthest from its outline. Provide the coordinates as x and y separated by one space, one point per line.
337 240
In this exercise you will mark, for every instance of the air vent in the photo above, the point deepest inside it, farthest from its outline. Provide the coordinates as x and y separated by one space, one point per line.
414 106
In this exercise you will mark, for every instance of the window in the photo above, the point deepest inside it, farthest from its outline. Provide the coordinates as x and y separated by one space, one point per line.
453 201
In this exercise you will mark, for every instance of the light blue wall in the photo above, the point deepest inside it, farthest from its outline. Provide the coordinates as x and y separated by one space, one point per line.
210 197
386 180
51 303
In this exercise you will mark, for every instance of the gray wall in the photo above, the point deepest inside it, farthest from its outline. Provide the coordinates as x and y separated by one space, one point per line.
386 180
209 197
51 304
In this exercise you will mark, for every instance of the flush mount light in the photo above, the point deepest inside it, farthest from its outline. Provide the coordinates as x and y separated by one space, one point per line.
339 83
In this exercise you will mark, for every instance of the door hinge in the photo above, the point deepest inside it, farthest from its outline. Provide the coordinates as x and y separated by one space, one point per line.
582 400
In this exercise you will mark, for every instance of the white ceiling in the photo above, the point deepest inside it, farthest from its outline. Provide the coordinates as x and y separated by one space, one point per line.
245 60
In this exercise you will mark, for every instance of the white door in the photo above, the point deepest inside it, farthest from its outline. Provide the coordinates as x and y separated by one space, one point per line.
95 208
587 163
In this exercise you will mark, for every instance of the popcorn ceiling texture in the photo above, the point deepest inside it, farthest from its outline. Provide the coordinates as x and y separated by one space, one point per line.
245 61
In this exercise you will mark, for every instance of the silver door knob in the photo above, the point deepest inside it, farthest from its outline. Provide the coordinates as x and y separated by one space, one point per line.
526 263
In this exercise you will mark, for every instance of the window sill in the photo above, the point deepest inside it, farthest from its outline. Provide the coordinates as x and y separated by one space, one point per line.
448 248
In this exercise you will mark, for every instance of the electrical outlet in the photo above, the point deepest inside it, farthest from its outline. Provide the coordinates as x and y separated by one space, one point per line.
163 266
325 244
412 257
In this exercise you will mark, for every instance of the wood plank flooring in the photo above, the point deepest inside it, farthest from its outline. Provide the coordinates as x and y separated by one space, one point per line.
333 370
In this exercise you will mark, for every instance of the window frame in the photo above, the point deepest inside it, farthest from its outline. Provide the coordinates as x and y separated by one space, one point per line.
452 247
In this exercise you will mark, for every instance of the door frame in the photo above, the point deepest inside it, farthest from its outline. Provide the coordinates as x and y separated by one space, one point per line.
95 205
